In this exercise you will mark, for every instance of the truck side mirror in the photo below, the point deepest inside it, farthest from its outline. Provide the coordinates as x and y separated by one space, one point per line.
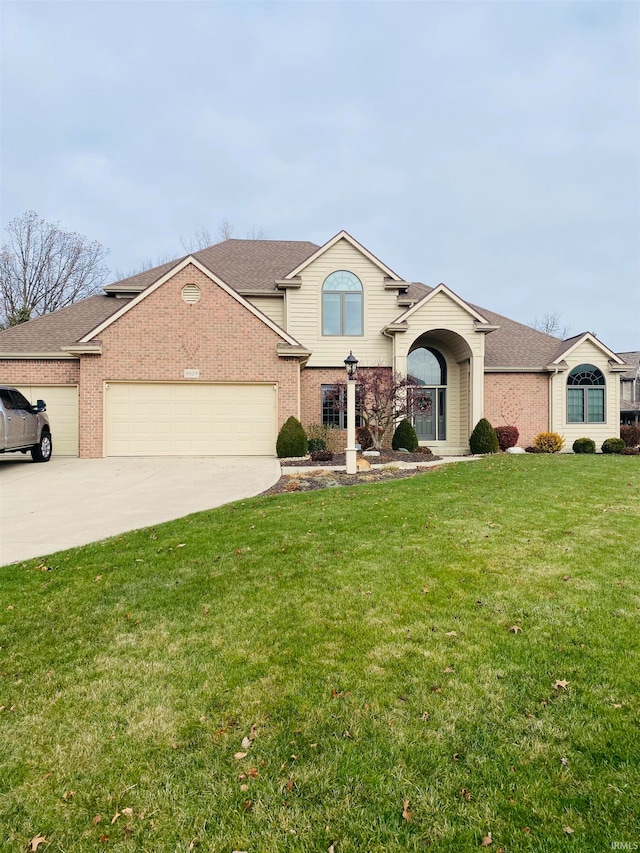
41 406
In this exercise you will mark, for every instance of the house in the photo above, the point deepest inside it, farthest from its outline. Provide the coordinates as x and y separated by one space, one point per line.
630 389
210 354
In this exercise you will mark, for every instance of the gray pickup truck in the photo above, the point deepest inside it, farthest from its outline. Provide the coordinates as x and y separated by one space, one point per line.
23 426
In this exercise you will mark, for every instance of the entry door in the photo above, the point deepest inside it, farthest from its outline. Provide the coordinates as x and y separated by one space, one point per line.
425 418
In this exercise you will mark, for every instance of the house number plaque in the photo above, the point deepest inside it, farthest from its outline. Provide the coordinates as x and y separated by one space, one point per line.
192 373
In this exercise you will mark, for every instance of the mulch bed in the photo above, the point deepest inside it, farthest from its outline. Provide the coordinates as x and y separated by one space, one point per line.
316 478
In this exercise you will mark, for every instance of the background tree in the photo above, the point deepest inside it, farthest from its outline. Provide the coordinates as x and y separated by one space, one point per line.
551 324
381 399
203 238
43 268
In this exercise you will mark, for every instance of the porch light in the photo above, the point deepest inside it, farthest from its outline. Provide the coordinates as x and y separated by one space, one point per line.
351 362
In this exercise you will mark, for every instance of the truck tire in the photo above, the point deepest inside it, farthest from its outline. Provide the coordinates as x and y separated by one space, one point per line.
41 452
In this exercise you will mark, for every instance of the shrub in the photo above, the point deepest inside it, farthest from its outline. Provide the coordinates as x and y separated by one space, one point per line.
426 450
364 437
315 444
483 438
584 445
292 439
405 436
630 451
507 436
630 434
549 442
321 456
532 449
327 433
613 445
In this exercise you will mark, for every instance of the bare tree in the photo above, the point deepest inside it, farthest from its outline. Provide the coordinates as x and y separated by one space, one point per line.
381 399
43 268
551 324
203 238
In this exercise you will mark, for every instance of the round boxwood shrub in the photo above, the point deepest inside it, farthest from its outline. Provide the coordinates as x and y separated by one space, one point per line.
315 444
507 436
321 456
549 442
405 436
364 437
584 445
613 445
483 439
292 439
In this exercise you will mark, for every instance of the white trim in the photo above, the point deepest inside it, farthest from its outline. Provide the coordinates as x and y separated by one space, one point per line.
343 235
42 356
592 339
173 271
442 288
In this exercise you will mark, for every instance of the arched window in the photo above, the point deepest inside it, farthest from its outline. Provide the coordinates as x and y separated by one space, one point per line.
585 395
342 304
427 376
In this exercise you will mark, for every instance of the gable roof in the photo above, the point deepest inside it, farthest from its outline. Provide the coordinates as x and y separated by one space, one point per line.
343 235
433 292
633 360
571 343
249 266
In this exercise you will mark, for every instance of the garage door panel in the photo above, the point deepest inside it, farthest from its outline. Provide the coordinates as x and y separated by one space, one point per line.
189 419
62 409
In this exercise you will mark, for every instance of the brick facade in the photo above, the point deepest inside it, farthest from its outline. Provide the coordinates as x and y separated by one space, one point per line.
520 400
39 371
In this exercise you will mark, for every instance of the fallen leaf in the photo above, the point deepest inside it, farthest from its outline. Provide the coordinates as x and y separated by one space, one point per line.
98 577
246 743
290 784
564 762
331 849
487 841
407 814
181 545
425 717
425 589
526 830
253 734
96 819
115 818
10 607
239 755
466 795
252 773
566 577
456 756
515 629
36 841
67 795
104 838
206 609
617 705
559 684
447 670
247 805
451 634
128 831
568 830
244 787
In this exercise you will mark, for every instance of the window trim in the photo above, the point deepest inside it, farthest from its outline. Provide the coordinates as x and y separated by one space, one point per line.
579 382
342 293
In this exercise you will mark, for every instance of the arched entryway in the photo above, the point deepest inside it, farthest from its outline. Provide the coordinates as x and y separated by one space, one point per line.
427 376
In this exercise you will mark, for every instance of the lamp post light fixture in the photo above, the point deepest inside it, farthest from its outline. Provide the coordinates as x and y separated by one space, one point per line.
351 363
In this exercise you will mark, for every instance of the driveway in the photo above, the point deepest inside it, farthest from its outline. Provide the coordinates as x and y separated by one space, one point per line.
69 502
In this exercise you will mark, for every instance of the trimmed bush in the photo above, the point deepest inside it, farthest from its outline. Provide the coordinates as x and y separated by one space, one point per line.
405 436
292 439
507 436
364 437
315 444
532 449
321 456
483 438
630 434
549 442
584 445
613 445
630 451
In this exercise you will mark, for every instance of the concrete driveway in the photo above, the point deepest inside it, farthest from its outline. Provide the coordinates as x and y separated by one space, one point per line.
69 502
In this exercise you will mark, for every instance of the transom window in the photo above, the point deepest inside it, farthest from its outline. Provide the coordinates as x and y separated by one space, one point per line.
342 304
585 395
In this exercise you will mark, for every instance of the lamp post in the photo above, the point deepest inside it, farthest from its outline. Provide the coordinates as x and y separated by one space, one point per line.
350 363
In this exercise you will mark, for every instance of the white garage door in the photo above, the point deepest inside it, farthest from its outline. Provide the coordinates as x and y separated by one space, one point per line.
62 408
189 419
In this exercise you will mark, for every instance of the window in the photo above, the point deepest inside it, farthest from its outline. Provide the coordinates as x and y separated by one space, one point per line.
334 406
585 395
342 304
427 375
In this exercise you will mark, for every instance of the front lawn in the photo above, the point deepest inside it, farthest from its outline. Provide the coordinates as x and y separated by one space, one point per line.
412 666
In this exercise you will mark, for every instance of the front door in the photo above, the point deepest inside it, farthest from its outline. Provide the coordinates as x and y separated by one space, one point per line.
424 420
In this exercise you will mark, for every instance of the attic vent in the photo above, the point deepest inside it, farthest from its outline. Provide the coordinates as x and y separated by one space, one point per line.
191 293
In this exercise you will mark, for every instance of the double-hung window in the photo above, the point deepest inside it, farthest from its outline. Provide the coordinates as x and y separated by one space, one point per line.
334 406
342 302
585 395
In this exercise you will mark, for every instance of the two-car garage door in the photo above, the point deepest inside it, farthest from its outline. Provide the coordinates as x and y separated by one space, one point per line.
189 419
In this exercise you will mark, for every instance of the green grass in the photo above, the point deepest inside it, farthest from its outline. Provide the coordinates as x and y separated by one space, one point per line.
132 669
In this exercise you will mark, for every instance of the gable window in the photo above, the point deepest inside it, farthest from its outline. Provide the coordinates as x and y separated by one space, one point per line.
342 304
427 392
585 395
334 406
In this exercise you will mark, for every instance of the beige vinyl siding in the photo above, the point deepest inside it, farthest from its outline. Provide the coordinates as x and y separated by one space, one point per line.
62 409
272 306
586 353
304 310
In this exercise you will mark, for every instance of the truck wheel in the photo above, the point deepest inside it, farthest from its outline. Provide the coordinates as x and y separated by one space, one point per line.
41 452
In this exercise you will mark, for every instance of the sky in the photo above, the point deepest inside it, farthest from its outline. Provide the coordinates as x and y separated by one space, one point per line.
493 145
